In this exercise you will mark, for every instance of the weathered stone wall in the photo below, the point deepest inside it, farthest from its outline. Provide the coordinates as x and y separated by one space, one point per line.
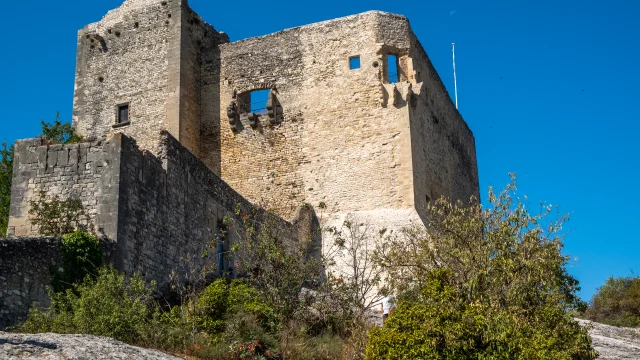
443 146
26 268
25 271
349 138
65 171
170 208
124 59
337 144
158 213
160 210
146 53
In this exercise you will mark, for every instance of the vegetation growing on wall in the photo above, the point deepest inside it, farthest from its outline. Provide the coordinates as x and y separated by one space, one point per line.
55 217
6 174
617 302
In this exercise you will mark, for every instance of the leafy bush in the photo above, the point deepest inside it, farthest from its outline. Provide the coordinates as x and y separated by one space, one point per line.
111 305
442 324
617 302
55 217
223 299
6 175
81 256
504 284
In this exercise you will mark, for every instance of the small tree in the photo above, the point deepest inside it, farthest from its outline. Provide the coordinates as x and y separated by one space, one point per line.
617 302
58 132
442 324
499 262
6 175
55 217
352 272
275 265
81 257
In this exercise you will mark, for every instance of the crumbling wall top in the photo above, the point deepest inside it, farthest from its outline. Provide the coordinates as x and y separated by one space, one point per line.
368 14
117 15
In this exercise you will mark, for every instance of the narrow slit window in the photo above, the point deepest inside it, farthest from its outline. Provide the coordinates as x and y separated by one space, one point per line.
354 62
123 114
392 62
221 235
259 101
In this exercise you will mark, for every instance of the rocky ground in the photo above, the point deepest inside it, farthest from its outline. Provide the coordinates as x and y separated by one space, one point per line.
614 342
610 341
71 347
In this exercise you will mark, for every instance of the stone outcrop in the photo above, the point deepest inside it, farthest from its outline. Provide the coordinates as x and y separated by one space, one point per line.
614 342
72 347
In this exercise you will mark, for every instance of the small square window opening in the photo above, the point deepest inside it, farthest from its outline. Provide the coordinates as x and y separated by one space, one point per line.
123 113
354 62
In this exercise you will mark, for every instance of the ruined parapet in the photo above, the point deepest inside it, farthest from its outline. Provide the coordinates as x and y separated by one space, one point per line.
81 171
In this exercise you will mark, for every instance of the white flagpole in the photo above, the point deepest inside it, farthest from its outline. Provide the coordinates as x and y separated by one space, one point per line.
455 80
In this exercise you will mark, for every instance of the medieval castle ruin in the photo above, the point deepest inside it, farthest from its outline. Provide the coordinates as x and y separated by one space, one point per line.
182 125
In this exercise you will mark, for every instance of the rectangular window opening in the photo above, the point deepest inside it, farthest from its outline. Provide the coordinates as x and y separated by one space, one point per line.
392 68
123 114
354 62
221 246
258 100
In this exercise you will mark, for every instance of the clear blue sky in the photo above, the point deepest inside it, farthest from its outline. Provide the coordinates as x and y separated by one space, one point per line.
549 89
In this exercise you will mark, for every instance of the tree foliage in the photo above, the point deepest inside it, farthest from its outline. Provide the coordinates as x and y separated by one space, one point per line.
6 174
499 262
442 324
617 302
59 132
81 257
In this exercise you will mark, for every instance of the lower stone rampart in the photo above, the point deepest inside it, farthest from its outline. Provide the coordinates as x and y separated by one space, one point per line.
160 214
26 265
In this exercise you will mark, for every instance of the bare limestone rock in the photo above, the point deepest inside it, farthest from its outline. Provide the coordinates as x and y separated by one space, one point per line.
614 342
610 341
71 347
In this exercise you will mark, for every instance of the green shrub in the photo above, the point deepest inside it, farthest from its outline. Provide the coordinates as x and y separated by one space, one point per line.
223 299
111 305
505 292
442 324
212 307
617 303
81 256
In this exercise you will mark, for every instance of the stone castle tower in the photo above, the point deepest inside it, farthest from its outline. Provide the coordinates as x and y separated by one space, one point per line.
354 119
354 139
